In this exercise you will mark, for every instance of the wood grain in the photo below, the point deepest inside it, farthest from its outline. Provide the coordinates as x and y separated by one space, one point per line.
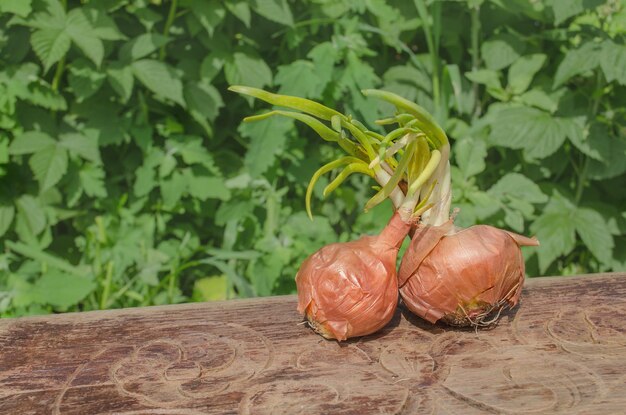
563 351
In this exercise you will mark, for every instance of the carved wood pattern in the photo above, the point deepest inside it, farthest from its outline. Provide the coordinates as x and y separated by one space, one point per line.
562 352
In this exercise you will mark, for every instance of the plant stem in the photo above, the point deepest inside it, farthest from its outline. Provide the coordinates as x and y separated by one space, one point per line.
172 283
170 19
107 286
57 74
475 34
396 196
582 177
303 23
442 192
422 10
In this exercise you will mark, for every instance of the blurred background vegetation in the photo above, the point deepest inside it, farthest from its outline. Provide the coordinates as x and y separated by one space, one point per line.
127 178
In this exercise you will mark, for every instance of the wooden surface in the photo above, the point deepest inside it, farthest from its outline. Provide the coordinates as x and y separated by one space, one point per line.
562 351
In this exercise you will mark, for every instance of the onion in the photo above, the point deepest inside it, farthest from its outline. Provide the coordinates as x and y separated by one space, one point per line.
459 276
350 289
464 277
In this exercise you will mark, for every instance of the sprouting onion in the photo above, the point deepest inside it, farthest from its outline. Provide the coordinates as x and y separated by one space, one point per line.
351 289
462 277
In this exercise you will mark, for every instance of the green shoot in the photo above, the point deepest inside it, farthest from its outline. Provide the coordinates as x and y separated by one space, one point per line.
321 171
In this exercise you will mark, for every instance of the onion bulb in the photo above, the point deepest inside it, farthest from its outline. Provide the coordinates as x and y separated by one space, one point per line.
463 277
350 289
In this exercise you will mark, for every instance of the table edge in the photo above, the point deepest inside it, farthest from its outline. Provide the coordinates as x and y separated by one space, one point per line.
84 316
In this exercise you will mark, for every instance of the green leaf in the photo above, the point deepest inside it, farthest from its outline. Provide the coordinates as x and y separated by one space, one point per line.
518 186
145 180
407 74
593 141
61 289
36 254
578 61
21 8
168 164
537 132
452 77
325 132
40 94
523 70
29 208
73 188
209 13
357 76
204 102
382 10
30 142
121 79
246 69
324 56
92 180
233 210
298 78
564 9
210 288
212 64
485 77
300 104
173 189
612 150
50 45
54 16
240 9
275 10
7 213
207 187
225 254
142 46
193 151
22 294
4 150
243 287
470 156
267 138
483 204
49 165
80 30
83 145
84 79
491 79
102 25
556 231
514 219
267 270
501 50
538 99
604 149
160 79
613 61
595 233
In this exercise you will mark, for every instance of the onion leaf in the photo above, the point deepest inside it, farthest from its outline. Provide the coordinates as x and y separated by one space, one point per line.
323 170
301 104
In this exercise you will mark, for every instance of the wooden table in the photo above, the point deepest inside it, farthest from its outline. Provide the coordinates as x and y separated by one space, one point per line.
562 351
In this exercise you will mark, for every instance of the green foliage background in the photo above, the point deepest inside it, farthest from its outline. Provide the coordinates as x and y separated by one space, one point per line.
127 179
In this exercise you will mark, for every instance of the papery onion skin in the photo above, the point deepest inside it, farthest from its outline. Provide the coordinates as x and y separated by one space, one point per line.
350 289
462 277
